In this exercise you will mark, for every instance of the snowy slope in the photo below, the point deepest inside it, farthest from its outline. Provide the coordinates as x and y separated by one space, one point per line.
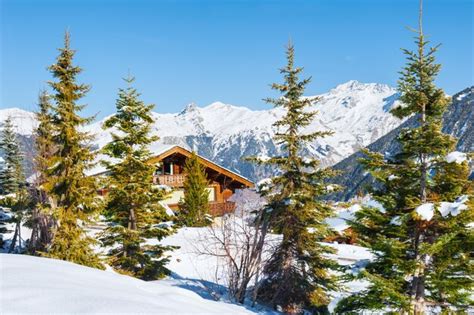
205 273
457 121
44 286
23 120
356 112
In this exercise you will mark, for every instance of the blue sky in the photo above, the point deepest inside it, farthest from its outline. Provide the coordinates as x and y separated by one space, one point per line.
229 51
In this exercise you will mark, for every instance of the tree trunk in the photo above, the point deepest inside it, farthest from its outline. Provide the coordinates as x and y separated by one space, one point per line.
132 225
42 232
418 282
256 287
46 226
284 274
15 235
263 223
34 238
242 290
19 235
132 220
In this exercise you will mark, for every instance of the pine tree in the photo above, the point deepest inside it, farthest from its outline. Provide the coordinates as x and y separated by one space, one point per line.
194 207
133 201
422 241
298 274
73 194
13 184
3 215
11 176
41 220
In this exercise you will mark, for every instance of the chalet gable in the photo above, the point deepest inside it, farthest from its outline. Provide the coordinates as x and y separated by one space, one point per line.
172 159
172 162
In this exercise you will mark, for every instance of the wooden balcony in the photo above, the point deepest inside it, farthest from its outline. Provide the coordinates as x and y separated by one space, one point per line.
218 209
170 180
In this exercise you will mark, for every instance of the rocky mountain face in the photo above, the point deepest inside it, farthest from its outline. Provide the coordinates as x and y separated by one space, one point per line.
457 121
357 113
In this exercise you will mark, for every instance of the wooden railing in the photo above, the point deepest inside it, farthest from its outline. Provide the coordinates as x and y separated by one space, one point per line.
170 180
218 209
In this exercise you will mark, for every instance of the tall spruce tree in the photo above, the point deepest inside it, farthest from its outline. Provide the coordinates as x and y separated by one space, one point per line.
72 193
13 184
422 242
298 274
3 215
41 220
194 207
133 206
11 175
3 228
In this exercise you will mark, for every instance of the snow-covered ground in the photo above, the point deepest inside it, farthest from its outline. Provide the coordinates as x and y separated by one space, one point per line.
45 286
25 232
41 285
204 273
197 283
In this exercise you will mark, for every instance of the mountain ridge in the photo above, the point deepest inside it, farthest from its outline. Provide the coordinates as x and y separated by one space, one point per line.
458 121
356 112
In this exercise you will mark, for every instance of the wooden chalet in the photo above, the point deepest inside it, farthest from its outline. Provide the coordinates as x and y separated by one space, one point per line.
222 182
169 161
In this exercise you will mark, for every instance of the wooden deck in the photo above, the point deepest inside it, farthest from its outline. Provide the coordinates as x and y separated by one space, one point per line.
170 180
218 209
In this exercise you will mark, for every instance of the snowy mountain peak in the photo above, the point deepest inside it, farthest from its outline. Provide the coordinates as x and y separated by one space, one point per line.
357 113
222 106
23 121
349 85
354 86
190 108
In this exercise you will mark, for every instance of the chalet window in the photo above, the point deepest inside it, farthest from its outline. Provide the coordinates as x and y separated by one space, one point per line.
158 170
168 168
212 193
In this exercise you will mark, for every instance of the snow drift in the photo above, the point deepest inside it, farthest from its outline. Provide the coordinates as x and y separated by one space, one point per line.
40 285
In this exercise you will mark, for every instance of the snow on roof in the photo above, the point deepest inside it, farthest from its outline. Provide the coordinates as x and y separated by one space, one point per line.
208 160
156 149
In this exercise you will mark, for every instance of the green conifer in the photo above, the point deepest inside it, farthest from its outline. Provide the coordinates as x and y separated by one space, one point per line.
13 183
298 274
11 175
194 207
41 221
133 206
72 193
422 241
3 215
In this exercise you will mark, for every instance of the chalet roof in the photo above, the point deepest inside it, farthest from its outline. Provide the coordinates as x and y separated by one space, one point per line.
161 151
176 149
155 148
